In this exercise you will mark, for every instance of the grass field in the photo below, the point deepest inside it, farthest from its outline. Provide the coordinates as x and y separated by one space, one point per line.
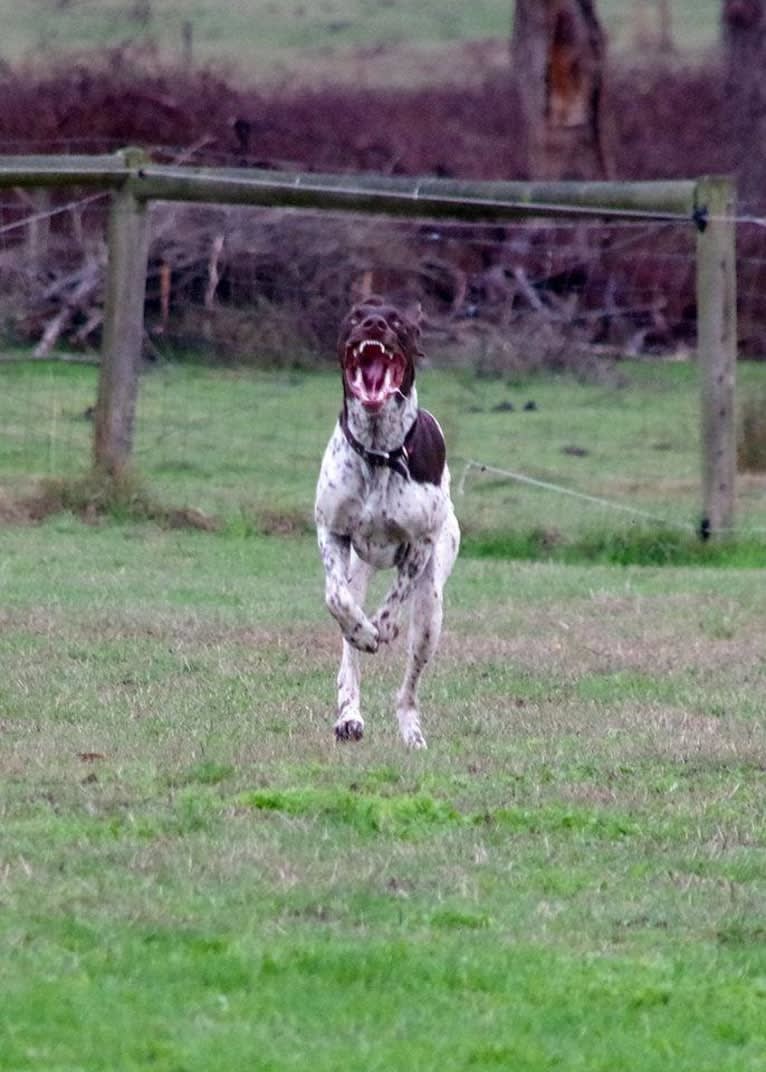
269 40
194 877
243 446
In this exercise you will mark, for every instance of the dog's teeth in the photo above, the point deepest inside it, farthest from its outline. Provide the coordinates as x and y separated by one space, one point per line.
367 343
387 380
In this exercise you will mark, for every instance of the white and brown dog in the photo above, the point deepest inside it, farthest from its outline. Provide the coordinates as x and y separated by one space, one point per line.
383 502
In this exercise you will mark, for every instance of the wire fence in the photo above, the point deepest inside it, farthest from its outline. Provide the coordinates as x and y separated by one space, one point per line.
560 356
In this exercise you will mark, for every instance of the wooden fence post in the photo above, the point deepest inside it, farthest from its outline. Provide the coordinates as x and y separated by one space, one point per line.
128 237
717 349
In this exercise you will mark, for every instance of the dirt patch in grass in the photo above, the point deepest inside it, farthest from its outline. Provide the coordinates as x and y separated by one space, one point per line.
266 521
612 634
657 731
27 509
94 499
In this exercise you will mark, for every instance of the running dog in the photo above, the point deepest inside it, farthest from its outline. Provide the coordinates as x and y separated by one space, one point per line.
383 502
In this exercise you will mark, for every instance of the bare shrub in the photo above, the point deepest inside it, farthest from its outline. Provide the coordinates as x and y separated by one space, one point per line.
284 280
671 119
273 286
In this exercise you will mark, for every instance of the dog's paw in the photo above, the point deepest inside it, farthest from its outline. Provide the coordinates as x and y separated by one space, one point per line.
349 729
409 727
414 738
386 626
364 636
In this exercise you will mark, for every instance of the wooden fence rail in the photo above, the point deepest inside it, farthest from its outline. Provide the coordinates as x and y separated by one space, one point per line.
706 204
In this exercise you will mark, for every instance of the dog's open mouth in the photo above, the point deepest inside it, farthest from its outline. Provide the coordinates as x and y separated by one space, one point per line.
373 372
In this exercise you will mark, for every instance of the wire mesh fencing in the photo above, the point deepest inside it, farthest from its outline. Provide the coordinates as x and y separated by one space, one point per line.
560 357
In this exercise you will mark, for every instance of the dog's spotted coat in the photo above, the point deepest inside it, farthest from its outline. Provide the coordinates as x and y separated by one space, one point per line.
383 502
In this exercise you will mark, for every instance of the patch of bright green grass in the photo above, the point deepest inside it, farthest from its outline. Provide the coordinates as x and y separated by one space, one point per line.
477 1003
402 815
639 546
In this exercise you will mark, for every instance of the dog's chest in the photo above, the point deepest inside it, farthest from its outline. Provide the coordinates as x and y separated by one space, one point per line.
384 518
376 508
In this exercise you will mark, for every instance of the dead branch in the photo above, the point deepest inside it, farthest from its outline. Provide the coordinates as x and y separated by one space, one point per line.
91 278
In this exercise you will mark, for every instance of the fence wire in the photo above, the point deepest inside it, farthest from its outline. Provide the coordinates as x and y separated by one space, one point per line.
561 353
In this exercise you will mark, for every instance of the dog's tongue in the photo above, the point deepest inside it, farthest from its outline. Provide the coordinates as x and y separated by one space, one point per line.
374 375
374 378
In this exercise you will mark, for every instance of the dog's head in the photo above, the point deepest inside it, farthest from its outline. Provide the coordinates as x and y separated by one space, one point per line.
377 348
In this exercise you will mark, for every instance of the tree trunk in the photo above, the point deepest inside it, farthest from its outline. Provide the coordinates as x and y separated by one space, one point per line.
558 51
744 37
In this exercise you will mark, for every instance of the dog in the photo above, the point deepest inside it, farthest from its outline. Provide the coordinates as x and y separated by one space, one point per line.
383 502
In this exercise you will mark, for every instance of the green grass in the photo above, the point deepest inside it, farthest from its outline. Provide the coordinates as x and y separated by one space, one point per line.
643 545
266 39
243 448
194 876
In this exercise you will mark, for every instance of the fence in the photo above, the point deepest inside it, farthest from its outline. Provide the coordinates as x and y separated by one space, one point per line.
706 206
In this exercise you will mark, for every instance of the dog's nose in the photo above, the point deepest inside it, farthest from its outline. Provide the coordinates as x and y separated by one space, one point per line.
374 323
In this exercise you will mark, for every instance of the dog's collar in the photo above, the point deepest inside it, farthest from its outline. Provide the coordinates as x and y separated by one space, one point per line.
397 459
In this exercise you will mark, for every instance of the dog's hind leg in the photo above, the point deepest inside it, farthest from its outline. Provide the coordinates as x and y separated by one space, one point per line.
349 725
426 615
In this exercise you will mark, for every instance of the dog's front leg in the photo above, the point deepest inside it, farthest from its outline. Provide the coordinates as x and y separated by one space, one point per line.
356 627
412 561
349 724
